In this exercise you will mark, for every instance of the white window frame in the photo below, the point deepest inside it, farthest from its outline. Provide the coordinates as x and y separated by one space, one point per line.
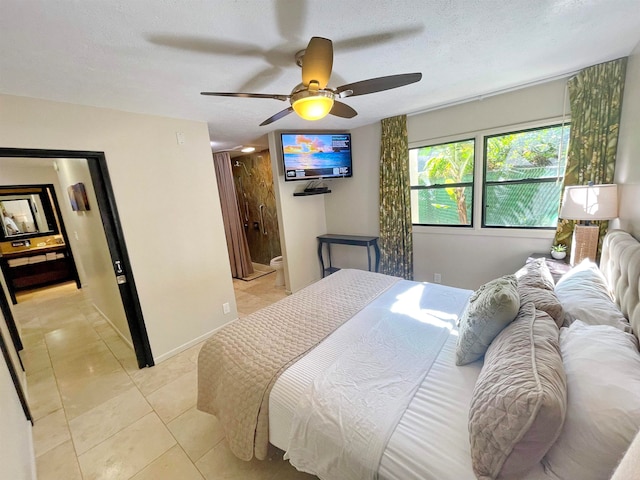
478 187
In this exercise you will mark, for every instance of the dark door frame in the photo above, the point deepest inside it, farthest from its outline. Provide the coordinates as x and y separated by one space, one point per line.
101 181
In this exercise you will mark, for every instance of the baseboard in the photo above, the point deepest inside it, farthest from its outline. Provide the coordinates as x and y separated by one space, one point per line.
189 344
125 339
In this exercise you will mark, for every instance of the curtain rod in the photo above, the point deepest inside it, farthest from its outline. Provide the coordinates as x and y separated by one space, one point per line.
494 93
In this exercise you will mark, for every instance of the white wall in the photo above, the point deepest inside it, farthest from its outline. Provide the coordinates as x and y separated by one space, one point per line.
300 221
168 203
352 206
90 250
465 258
627 174
86 230
468 258
16 447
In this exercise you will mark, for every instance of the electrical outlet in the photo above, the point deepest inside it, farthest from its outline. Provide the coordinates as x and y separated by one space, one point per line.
180 138
226 308
437 278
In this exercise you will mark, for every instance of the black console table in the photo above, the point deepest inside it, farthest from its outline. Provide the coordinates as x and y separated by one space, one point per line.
357 240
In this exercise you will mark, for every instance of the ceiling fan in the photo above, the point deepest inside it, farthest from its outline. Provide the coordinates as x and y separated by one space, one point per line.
313 99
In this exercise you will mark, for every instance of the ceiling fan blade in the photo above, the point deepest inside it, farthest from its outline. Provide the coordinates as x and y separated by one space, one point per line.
317 62
205 45
343 110
374 39
290 18
277 116
276 96
260 79
379 84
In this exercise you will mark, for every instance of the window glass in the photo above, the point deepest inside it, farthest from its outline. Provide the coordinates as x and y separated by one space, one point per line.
441 179
523 177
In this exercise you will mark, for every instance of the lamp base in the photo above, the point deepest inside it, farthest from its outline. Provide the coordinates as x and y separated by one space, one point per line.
584 243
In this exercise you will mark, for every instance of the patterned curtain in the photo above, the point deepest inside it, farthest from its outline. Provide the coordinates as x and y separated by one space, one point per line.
595 96
396 240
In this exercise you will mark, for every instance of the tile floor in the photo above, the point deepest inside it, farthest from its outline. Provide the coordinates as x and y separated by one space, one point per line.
97 416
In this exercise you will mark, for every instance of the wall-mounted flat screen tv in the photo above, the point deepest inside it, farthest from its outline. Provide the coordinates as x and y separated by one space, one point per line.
315 155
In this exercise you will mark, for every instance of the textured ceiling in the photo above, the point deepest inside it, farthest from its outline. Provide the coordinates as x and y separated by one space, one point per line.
156 56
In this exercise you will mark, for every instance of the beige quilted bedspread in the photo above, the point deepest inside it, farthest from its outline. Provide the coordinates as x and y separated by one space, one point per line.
239 364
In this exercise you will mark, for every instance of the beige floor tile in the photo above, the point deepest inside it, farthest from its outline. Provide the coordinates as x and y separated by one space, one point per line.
149 380
31 336
59 463
49 432
104 329
29 323
95 362
289 472
35 358
80 397
83 356
219 463
66 316
172 465
175 397
114 429
70 342
197 432
193 352
107 419
119 348
129 364
42 392
128 451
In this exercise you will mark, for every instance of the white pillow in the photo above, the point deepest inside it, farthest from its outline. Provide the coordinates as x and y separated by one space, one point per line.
491 308
602 365
519 401
536 274
584 295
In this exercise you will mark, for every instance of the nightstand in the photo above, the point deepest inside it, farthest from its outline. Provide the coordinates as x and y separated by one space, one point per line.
557 267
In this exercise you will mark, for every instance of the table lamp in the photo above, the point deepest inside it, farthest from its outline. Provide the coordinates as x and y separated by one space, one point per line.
587 203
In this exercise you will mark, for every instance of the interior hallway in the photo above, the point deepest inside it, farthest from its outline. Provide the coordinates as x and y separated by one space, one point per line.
97 416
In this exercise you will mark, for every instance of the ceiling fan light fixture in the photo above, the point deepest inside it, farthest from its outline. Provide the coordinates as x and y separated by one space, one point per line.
312 105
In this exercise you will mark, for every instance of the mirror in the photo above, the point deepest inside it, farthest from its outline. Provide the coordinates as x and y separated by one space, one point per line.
18 217
26 212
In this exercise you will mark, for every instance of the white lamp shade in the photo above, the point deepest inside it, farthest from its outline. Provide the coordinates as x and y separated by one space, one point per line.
590 202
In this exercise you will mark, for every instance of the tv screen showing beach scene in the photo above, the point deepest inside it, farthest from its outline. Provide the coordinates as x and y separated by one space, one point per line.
309 156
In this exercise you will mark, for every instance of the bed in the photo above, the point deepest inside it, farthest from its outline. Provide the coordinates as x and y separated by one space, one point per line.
355 376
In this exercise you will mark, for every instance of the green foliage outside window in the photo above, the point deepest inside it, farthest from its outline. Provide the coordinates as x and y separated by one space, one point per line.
522 180
443 175
523 177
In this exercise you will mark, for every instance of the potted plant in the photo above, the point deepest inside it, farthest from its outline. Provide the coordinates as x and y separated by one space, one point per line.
559 251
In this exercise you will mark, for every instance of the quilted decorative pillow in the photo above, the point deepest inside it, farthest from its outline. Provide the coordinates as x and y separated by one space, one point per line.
602 365
536 274
544 300
585 296
520 398
492 307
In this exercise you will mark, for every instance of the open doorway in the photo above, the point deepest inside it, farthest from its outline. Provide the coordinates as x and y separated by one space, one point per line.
99 184
249 184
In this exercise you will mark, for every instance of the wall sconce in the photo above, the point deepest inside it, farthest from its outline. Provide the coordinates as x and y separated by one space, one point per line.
587 203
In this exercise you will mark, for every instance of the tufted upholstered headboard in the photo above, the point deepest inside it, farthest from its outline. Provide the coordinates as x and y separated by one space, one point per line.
620 264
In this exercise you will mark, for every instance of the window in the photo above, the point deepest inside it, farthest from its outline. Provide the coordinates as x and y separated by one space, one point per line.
442 183
523 174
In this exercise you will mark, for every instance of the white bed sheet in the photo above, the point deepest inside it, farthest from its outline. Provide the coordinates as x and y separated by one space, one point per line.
431 440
